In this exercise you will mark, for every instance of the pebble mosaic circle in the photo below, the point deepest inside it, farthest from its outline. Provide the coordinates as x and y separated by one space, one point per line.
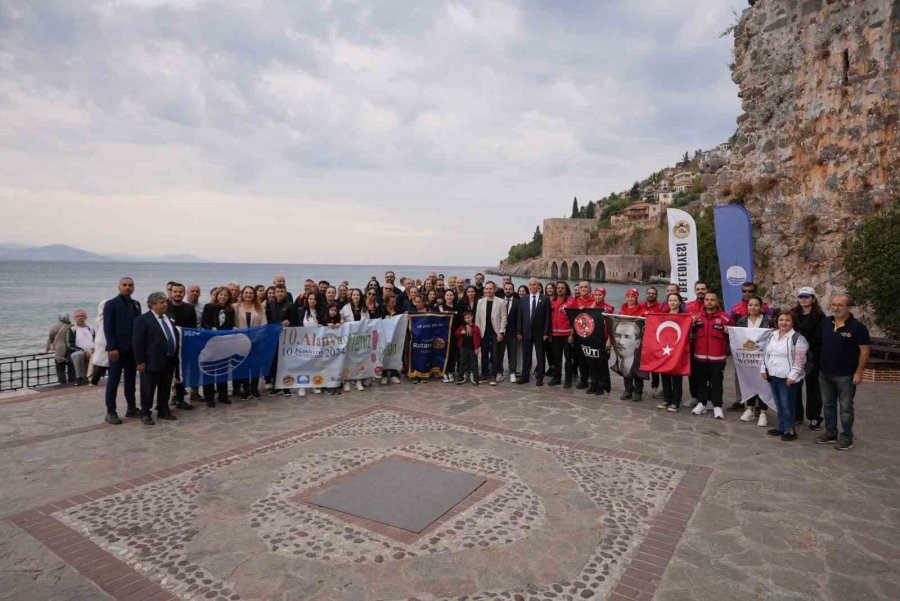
149 527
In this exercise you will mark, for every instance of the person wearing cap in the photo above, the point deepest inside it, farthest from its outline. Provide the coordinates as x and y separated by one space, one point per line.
634 386
600 300
845 351
809 317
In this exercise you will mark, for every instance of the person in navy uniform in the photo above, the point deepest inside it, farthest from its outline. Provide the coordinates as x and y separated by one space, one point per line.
155 344
119 314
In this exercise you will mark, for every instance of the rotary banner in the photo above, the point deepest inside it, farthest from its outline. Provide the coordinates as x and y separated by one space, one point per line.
747 345
666 346
429 344
213 357
322 356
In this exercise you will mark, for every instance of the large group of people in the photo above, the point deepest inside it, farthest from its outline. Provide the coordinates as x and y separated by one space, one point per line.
499 330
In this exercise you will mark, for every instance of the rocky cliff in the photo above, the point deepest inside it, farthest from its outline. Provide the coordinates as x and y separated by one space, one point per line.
816 148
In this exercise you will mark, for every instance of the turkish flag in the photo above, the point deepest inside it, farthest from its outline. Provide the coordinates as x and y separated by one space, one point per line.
666 347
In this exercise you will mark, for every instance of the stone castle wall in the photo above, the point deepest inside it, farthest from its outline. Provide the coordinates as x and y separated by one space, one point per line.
816 148
564 237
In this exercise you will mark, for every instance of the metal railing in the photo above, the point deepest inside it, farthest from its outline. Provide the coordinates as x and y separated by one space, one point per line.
27 371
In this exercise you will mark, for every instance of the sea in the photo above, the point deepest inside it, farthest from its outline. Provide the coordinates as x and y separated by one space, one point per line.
35 292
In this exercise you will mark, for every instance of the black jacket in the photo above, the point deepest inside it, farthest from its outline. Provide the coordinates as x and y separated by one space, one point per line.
277 312
183 315
119 314
810 326
210 318
536 326
512 315
150 344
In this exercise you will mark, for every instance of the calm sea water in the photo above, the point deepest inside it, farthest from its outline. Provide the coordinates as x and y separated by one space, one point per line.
36 292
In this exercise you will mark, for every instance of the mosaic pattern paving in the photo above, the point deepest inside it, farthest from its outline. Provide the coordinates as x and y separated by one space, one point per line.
639 506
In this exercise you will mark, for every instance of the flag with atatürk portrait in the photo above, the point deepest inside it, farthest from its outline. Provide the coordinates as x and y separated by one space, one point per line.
666 345
626 334
589 331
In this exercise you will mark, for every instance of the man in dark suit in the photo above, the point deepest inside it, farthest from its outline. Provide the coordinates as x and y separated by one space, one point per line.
533 328
119 314
155 344
510 343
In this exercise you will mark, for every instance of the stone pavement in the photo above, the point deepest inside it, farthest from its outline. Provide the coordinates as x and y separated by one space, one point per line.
586 497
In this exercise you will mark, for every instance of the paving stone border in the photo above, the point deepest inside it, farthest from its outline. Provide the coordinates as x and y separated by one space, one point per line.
637 581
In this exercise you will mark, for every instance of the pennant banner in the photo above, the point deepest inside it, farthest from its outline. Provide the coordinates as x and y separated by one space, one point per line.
213 357
666 346
627 335
429 346
683 250
322 356
590 332
734 244
391 340
747 346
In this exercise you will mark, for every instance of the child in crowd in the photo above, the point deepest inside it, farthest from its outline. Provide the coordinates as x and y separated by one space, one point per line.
468 341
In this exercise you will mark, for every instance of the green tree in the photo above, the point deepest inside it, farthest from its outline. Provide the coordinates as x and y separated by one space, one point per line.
707 253
635 191
538 237
575 214
871 262
590 210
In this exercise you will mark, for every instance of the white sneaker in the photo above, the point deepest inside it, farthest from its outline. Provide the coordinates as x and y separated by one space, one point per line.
763 420
346 386
395 380
718 413
699 409
747 415
301 392
499 378
359 385
512 378
317 391
383 380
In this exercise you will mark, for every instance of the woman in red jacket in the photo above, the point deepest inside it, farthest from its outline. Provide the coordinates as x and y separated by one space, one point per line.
561 338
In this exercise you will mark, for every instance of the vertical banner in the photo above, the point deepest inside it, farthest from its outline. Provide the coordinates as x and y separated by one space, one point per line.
683 259
429 345
213 357
747 347
361 358
312 356
391 340
734 243
666 347
626 336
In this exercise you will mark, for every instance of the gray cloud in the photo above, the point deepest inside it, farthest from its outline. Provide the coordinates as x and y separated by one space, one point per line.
484 116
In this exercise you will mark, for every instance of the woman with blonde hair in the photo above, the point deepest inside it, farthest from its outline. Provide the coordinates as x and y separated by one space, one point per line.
249 313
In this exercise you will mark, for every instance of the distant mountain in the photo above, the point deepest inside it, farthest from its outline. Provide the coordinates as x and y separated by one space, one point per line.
53 252
63 252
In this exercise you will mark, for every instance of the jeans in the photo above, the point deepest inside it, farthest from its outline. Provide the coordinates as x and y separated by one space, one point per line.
838 393
785 396
654 380
512 352
634 385
562 358
467 364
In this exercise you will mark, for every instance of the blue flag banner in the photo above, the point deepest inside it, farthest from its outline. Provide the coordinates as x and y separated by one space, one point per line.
734 243
212 357
429 344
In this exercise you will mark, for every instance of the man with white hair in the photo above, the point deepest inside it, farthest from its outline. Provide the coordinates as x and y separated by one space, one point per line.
80 345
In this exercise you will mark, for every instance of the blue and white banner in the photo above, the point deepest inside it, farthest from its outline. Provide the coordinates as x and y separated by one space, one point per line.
683 259
212 357
429 344
734 243
323 356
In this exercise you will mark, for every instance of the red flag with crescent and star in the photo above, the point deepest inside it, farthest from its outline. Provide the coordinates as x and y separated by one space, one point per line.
666 348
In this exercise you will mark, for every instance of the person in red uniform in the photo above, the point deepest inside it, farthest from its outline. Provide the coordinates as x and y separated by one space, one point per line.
634 386
561 337
585 299
652 305
710 350
739 310
600 300
695 307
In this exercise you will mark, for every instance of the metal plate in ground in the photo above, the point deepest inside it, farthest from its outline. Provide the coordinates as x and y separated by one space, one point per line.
400 493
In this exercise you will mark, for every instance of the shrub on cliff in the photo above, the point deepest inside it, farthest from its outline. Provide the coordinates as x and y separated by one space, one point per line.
527 250
871 262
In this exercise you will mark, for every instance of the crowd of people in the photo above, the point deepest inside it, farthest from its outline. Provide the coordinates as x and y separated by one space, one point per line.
499 331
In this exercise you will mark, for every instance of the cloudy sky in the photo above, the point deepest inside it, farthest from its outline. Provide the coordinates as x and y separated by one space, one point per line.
325 131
